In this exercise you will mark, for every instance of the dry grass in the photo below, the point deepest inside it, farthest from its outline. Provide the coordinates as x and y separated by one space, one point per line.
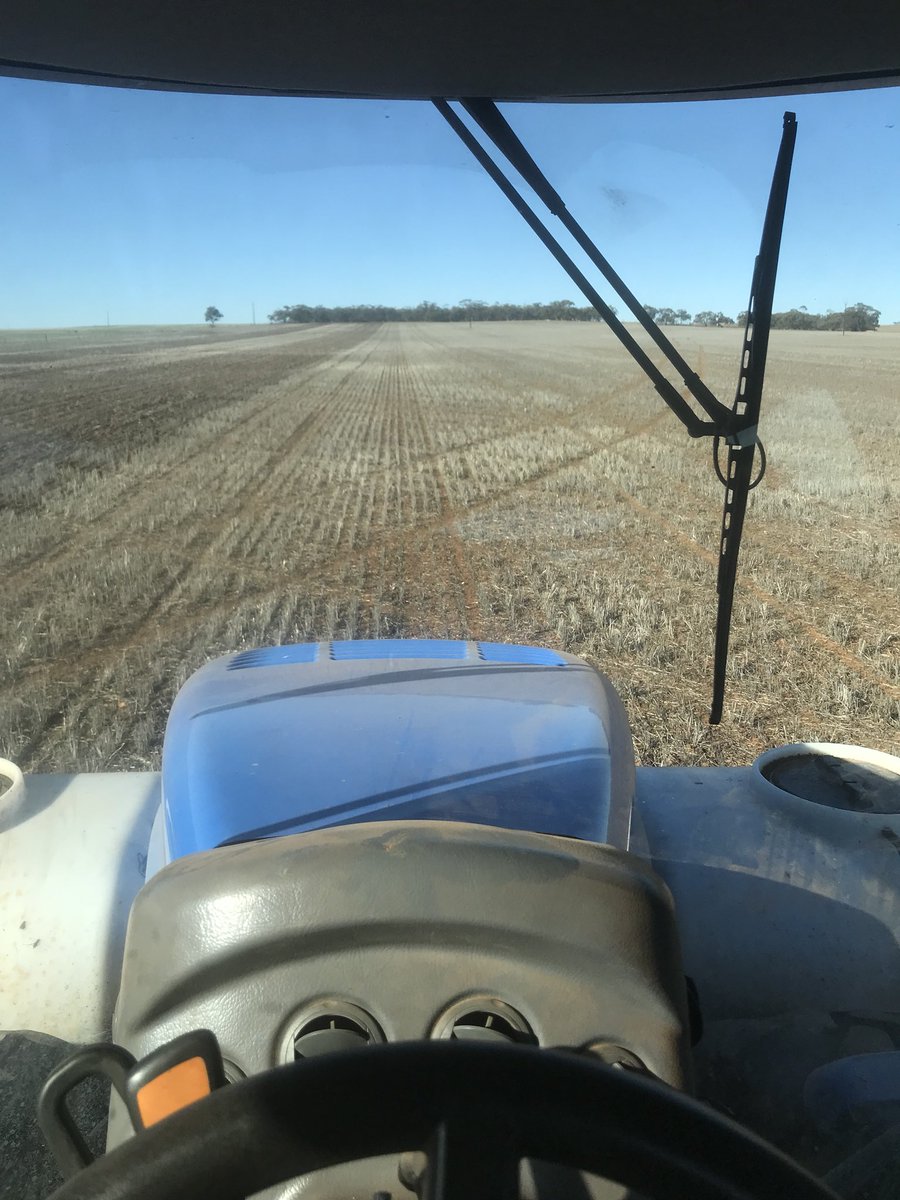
173 495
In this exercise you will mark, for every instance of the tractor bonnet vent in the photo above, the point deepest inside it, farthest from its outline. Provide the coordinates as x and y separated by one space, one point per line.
375 650
276 656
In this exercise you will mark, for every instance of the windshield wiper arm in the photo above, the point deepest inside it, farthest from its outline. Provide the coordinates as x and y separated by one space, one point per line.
737 425
497 128
724 419
738 476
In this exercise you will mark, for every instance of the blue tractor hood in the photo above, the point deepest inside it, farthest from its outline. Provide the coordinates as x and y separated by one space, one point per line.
291 738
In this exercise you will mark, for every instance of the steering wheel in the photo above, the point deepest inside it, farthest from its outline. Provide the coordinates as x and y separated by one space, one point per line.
475 1109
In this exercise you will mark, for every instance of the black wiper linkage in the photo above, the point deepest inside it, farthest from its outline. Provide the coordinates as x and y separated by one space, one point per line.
738 425
486 113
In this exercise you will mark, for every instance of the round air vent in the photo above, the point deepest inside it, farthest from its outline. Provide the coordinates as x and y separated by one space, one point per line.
847 777
616 1056
233 1073
326 1027
483 1019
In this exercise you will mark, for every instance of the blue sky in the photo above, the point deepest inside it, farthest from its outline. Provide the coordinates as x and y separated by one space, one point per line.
151 206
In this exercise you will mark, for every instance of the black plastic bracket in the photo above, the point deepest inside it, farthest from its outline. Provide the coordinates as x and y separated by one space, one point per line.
57 1125
128 1078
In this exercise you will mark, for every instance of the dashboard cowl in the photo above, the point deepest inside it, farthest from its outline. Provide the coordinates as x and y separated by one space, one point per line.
404 925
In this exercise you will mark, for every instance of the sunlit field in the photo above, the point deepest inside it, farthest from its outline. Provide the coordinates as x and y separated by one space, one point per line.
169 495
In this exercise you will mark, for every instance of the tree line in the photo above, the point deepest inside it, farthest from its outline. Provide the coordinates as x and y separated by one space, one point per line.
465 310
855 318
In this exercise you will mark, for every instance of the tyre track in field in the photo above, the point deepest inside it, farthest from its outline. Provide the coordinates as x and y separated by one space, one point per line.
144 632
139 499
517 389
411 387
145 401
210 533
399 536
851 661
299 477
376 561
880 610
809 715
339 559
447 515
409 524
377 576
148 626
883 614
152 626
537 426
497 358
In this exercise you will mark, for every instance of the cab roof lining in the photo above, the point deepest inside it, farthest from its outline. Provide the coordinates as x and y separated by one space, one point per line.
546 50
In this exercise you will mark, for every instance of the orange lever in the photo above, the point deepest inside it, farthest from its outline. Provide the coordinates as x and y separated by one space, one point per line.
174 1089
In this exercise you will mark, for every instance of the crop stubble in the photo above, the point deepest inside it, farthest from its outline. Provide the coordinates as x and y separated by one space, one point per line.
168 500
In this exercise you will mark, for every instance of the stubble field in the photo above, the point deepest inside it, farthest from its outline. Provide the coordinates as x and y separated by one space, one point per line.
169 495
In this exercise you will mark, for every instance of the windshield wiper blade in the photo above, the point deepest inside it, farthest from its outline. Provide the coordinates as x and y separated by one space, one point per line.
723 417
738 475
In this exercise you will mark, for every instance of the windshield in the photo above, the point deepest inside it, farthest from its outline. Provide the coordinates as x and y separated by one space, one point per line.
182 478
278 371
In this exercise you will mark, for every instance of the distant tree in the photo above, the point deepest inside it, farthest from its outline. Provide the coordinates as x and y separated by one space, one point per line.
859 318
682 316
475 310
712 319
212 315
561 310
666 316
428 311
799 318
652 311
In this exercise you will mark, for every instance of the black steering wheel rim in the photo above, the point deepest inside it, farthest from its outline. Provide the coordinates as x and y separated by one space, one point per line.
476 1109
